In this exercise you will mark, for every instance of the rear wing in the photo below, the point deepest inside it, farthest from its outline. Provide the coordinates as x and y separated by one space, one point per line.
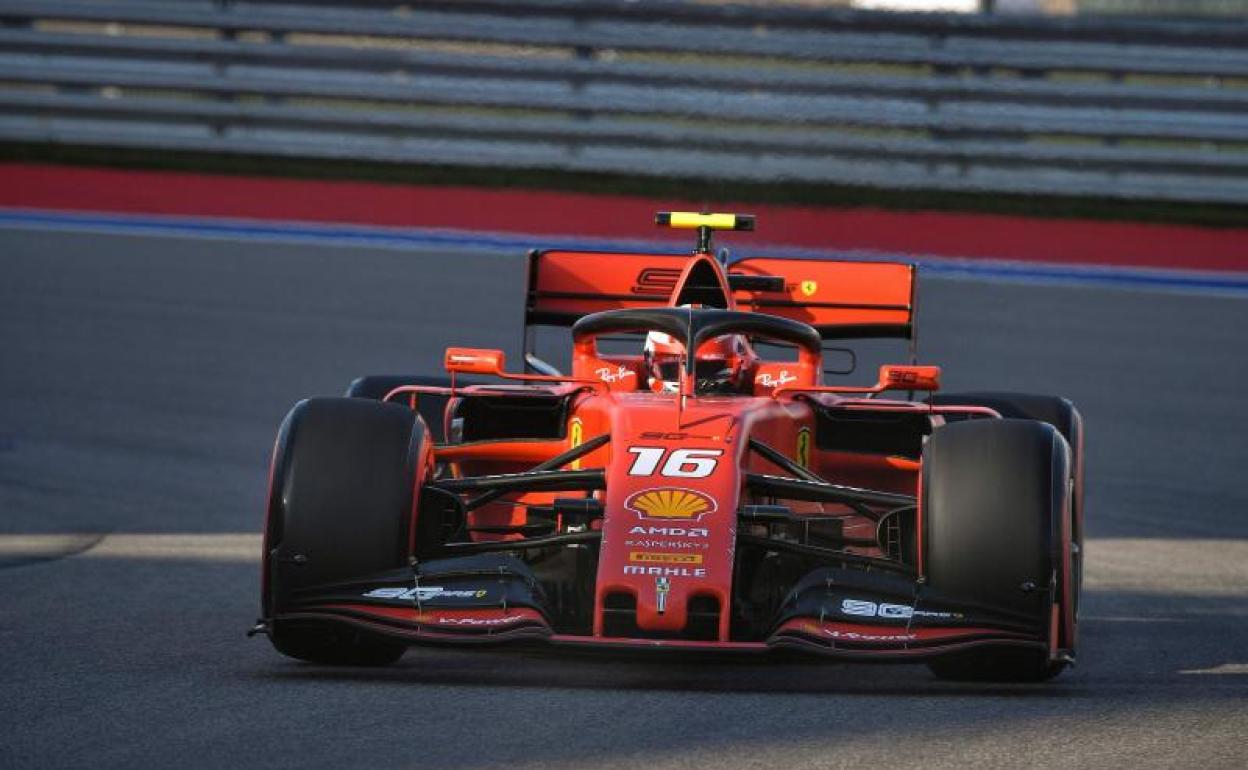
842 299
565 285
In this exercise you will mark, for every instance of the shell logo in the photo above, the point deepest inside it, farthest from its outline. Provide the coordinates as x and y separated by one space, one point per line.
669 504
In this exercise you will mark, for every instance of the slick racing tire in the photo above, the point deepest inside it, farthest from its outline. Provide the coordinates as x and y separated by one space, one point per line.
995 493
340 503
431 407
1061 414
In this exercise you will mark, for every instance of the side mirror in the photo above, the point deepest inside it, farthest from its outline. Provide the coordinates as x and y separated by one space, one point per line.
474 361
898 377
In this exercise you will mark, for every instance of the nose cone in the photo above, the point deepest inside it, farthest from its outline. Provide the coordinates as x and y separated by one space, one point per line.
669 532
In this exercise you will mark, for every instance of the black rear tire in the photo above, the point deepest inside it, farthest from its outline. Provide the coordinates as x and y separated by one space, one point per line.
1056 411
994 495
431 407
340 503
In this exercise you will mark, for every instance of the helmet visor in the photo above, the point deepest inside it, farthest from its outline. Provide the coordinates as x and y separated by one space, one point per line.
712 369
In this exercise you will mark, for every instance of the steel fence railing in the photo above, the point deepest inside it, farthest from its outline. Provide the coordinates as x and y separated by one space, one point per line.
1062 107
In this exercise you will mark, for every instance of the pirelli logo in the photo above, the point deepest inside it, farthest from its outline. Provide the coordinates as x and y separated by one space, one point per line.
646 557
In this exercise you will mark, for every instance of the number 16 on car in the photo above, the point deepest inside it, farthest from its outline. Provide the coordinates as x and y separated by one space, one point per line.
680 463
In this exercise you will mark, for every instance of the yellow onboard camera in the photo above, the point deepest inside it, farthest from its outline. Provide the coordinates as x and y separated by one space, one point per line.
704 223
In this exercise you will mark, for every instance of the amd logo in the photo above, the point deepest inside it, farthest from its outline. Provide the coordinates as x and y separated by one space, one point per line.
701 532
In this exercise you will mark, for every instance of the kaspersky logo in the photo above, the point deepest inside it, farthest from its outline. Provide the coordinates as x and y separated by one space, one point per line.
670 504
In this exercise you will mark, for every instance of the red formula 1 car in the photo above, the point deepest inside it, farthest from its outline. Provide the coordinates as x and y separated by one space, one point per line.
680 490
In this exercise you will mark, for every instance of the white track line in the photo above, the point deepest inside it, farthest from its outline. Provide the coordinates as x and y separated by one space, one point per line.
1176 567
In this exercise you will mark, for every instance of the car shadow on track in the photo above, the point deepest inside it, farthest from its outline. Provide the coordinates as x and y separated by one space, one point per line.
779 674
1129 645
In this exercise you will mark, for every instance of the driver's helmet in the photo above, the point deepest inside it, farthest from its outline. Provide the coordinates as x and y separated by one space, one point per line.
721 366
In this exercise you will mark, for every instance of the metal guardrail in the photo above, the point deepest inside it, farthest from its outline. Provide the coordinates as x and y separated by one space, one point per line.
1123 109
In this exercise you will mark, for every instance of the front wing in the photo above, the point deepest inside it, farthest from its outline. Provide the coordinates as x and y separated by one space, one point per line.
833 612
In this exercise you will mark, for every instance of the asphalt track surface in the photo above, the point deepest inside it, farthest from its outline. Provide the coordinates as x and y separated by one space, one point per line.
142 380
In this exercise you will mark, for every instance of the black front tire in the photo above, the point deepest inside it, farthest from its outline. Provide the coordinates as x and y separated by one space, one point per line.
330 645
340 503
1061 414
1003 664
994 495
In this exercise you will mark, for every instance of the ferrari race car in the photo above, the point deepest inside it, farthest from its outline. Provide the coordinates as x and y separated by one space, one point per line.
691 484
